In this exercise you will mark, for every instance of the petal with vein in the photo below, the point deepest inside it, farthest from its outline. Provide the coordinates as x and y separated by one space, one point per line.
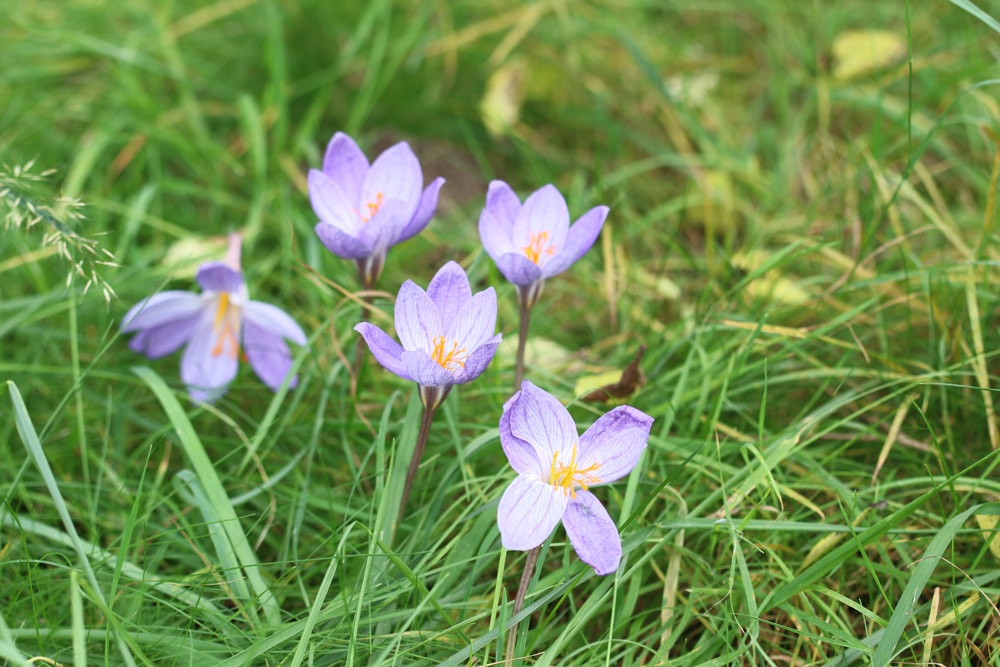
592 532
529 510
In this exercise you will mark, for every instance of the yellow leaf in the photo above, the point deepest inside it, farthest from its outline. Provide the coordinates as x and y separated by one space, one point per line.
988 524
500 107
857 52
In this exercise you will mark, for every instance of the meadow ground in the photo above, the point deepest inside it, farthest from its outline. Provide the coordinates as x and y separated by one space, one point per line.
802 234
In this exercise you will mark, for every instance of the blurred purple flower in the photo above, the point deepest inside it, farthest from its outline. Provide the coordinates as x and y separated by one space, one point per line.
535 241
364 210
446 334
216 326
556 469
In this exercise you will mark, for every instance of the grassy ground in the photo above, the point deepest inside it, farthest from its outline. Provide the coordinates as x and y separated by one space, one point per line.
802 233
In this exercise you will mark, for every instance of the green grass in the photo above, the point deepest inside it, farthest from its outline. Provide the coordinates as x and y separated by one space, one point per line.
811 260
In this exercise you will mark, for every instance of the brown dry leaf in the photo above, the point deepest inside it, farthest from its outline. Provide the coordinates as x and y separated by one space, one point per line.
609 386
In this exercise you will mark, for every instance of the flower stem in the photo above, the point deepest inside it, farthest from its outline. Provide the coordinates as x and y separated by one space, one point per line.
418 452
522 591
522 342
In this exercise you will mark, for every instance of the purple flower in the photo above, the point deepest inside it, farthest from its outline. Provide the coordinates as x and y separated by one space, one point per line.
216 326
446 334
364 210
556 469
535 241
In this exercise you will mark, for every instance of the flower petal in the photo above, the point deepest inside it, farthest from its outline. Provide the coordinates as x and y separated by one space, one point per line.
267 353
529 510
340 243
275 320
161 308
382 231
161 340
477 362
580 238
332 205
204 373
425 211
519 270
537 417
615 442
450 291
522 454
386 351
395 174
544 212
476 322
592 532
346 165
425 371
494 234
502 202
417 319
217 277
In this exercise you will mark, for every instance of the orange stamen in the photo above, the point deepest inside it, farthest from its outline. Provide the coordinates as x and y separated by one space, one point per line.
569 477
537 246
372 206
445 359
227 328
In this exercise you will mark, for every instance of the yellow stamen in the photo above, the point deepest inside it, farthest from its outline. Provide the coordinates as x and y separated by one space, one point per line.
372 206
537 246
445 359
569 477
227 328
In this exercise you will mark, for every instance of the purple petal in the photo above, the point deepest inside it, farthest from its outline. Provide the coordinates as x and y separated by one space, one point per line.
495 235
417 319
503 204
217 277
395 174
544 212
341 244
161 308
332 205
450 291
275 320
477 362
519 270
592 532
615 442
386 351
425 371
161 340
522 455
382 231
204 372
425 211
476 322
268 354
539 418
529 510
580 238
346 165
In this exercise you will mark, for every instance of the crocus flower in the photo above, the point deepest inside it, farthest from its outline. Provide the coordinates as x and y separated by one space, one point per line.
217 326
556 469
446 334
364 210
535 241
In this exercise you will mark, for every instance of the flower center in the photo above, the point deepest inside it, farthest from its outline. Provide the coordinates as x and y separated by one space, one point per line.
372 208
569 476
227 328
538 245
446 358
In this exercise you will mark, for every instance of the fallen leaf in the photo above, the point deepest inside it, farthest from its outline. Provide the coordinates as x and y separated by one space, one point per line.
624 386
